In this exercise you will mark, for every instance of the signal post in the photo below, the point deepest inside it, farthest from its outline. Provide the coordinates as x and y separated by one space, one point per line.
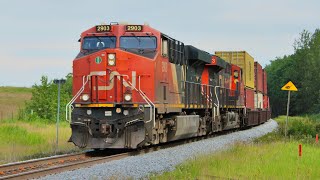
288 87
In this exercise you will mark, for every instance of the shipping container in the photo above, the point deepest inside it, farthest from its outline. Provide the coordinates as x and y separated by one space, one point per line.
242 59
249 99
258 77
265 102
265 83
242 95
258 100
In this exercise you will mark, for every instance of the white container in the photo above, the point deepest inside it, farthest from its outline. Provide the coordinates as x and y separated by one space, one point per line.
258 100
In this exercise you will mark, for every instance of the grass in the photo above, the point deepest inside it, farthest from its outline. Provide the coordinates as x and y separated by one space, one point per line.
9 89
22 140
277 160
27 140
269 157
11 100
19 135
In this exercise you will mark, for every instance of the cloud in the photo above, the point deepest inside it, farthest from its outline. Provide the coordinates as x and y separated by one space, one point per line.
40 37
269 12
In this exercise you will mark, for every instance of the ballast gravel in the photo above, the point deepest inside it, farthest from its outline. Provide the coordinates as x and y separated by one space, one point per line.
142 166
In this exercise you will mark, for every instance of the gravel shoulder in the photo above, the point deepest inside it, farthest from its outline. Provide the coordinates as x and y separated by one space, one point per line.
141 166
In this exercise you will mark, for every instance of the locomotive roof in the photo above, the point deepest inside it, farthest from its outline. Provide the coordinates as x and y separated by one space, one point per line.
194 54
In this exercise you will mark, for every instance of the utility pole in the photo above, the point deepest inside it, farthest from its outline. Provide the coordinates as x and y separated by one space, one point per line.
288 106
59 82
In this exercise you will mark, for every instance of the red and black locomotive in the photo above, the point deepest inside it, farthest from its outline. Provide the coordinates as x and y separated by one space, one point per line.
134 86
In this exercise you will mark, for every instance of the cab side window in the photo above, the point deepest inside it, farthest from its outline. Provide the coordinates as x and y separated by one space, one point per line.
236 74
164 47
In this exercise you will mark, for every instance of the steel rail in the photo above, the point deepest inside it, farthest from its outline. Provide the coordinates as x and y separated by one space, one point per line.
64 167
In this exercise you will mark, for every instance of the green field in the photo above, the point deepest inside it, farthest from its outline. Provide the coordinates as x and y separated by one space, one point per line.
269 157
20 139
11 100
27 140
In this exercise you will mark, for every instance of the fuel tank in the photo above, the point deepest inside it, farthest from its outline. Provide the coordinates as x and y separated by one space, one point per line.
184 127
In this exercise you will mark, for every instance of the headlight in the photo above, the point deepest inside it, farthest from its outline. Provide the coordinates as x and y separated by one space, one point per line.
127 97
111 56
125 112
118 110
111 59
111 62
85 97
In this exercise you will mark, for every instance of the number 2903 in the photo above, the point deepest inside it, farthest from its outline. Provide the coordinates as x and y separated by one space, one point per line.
133 28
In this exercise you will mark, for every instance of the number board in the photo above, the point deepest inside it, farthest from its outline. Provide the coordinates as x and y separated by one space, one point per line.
103 28
134 28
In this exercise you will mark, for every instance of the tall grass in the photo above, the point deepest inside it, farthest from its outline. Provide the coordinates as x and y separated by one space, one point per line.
12 99
22 139
15 134
26 140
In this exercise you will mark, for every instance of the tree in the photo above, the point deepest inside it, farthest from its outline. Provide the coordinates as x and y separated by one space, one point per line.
301 68
43 104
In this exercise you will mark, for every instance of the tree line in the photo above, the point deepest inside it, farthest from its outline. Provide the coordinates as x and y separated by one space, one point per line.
302 68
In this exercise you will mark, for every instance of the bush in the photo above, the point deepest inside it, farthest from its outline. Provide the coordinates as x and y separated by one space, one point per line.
302 128
43 104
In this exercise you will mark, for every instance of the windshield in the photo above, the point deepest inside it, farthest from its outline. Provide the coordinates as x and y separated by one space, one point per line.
98 42
138 42
141 45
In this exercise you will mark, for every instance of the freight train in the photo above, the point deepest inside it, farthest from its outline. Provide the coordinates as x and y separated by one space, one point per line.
134 86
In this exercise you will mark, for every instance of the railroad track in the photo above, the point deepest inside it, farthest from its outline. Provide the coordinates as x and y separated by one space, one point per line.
56 164
45 166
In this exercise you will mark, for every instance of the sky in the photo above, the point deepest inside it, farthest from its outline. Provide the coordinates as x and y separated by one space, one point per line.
39 37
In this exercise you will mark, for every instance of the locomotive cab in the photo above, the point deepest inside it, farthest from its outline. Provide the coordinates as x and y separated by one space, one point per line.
113 53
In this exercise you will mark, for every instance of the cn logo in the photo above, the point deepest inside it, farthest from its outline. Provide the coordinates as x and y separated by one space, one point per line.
116 74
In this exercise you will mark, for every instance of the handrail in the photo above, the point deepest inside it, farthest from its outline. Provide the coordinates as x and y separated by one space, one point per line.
69 105
218 105
149 102
199 84
209 91
207 96
145 97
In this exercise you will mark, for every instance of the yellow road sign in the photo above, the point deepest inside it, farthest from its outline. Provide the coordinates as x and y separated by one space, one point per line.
289 87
